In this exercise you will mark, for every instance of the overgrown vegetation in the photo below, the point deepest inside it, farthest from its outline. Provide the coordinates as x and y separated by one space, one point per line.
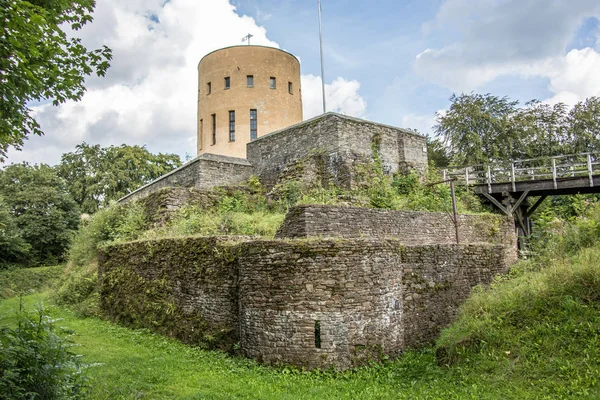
533 334
38 217
16 282
36 361
542 321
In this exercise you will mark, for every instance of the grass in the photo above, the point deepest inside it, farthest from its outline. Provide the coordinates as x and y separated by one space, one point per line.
27 280
137 364
532 335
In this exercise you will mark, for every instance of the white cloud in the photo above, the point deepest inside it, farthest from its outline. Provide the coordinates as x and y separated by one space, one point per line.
420 123
341 96
575 77
149 95
496 38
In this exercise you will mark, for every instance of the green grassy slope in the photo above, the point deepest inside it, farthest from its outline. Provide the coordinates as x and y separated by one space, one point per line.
534 335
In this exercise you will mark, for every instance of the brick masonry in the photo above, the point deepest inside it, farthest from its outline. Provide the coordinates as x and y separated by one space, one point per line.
409 227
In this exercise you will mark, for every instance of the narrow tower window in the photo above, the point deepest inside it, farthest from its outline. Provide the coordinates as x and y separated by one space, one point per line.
290 87
232 126
250 80
318 334
214 128
208 88
227 83
201 134
272 83
253 125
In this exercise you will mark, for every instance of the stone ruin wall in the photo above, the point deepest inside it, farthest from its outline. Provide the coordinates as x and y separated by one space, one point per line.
409 227
332 146
204 172
321 304
371 297
184 287
338 144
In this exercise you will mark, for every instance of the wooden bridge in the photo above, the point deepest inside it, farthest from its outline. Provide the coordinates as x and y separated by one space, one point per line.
510 185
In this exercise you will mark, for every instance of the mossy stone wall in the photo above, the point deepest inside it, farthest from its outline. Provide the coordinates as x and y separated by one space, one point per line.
184 287
409 227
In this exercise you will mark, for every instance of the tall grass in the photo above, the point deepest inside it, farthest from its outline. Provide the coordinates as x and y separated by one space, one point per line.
542 321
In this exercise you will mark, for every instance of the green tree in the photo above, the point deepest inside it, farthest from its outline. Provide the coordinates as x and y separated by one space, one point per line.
97 175
39 61
438 153
477 128
543 130
584 124
480 129
13 249
43 210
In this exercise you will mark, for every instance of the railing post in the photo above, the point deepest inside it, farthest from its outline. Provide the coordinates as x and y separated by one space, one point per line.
489 179
467 175
512 177
554 172
590 170
444 174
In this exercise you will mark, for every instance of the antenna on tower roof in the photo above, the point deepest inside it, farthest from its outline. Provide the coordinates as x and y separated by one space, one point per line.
247 38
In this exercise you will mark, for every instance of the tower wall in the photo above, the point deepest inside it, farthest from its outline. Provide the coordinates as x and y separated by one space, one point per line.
276 108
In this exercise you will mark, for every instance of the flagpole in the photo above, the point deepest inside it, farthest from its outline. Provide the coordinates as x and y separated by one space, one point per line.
322 63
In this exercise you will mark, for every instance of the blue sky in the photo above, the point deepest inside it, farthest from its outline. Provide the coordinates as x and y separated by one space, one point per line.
395 62
376 43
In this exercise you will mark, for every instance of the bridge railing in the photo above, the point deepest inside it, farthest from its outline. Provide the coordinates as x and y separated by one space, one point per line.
541 168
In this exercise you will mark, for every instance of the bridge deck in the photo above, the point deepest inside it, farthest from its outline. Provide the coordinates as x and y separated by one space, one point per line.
543 187
509 185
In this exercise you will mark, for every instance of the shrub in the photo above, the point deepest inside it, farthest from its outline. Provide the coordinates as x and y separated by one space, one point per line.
113 223
24 280
35 360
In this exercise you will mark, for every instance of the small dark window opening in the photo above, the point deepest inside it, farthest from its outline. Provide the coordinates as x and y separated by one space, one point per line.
201 133
227 83
232 126
250 80
272 83
253 125
214 128
290 87
318 334
208 88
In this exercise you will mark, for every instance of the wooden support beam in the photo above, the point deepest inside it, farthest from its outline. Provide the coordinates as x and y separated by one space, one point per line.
522 222
518 203
534 207
495 202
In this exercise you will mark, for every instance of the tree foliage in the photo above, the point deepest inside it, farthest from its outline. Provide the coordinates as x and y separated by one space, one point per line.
39 61
438 153
481 128
44 212
13 248
96 175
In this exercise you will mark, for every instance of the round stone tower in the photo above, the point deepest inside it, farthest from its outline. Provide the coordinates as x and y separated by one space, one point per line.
245 92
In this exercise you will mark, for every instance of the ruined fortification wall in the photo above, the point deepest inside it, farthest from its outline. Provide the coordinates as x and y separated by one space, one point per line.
409 227
185 287
312 303
204 172
342 142
333 146
436 280
321 303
